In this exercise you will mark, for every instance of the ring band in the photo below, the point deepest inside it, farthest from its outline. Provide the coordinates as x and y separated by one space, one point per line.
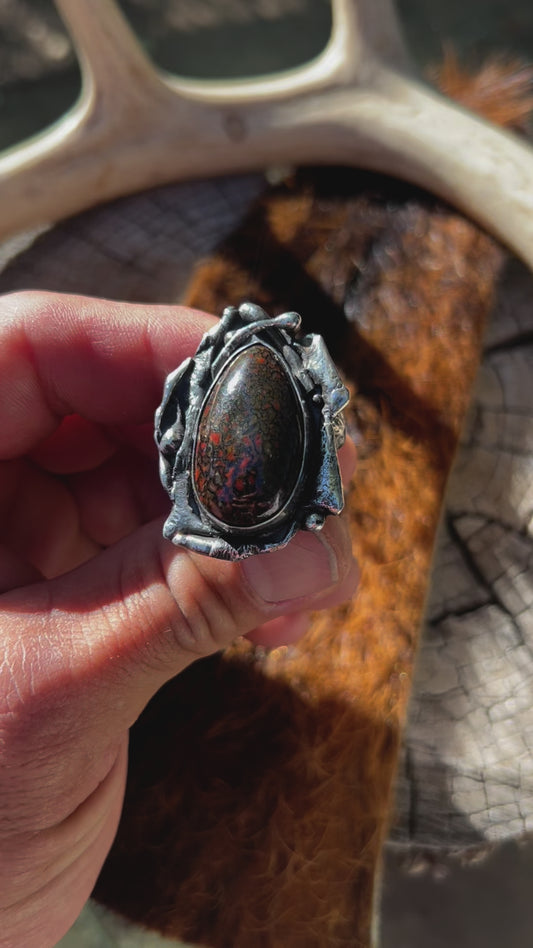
248 432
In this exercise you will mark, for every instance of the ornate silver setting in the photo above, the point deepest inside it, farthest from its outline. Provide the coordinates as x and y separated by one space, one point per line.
313 394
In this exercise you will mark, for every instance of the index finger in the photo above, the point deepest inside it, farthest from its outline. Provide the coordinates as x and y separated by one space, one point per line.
103 360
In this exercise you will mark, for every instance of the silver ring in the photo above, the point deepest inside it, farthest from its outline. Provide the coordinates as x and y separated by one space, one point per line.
248 432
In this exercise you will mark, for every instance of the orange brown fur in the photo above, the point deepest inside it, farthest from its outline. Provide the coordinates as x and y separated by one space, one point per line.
501 91
260 784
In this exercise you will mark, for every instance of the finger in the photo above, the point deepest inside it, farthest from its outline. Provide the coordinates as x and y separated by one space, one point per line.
285 630
288 629
15 571
312 567
39 520
118 496
106 361
110 633
77 444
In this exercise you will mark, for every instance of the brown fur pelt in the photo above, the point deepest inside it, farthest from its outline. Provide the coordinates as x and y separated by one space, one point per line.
260 784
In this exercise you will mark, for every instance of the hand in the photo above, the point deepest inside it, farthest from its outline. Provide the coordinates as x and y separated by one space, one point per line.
97 610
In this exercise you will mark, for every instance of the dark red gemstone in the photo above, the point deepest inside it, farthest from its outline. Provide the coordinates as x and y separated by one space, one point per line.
248 451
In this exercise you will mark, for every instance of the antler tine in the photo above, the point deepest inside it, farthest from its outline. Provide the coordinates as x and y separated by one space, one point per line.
345 40
134 128
78 161
106 45
369 30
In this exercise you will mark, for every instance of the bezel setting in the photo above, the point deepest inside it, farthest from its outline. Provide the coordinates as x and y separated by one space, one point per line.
320 397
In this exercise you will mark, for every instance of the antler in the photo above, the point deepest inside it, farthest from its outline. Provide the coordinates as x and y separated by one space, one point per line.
356 104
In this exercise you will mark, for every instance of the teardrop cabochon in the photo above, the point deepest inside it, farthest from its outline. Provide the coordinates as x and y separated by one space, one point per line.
251 442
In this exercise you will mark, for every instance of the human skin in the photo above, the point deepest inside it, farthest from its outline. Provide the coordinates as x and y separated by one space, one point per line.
97 610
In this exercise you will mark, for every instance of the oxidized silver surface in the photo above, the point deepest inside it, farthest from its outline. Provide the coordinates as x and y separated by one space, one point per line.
274 455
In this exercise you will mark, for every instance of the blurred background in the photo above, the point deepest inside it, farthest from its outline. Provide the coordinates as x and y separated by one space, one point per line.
486 903
40 79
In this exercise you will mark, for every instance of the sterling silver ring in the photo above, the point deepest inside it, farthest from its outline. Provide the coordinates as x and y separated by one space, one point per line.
248 432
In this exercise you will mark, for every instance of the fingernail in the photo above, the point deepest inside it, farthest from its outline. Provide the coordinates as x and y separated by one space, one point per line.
306 566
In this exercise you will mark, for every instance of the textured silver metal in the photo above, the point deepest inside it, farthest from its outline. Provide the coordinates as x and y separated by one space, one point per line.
320 396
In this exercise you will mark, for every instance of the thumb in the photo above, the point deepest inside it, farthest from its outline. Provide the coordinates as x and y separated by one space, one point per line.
106 636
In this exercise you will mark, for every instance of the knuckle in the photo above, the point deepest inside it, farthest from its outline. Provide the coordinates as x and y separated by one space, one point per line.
210 606
23 304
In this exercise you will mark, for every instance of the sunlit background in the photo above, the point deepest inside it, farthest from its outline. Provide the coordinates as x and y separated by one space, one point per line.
40 79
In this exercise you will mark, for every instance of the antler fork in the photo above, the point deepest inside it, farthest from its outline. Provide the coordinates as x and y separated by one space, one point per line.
356 104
